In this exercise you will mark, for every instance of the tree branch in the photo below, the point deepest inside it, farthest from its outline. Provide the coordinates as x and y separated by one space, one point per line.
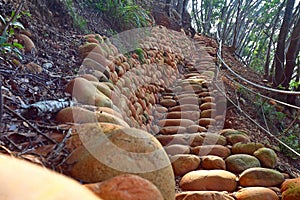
13 18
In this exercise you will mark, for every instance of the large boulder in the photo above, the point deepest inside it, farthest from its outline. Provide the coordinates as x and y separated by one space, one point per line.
23 180
124 150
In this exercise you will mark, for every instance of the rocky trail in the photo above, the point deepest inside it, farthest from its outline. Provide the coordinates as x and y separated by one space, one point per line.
143 119
183 107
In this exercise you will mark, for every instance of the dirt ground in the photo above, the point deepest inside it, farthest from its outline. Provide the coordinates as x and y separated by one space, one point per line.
27 135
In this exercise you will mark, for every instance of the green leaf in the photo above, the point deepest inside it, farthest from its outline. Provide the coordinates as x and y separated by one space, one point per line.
2 19
6 44
11 31
18 25
18 45
12 14
27 13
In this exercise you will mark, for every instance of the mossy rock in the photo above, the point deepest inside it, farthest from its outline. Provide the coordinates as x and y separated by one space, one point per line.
239 162
291 189
248 148
266 156
259 176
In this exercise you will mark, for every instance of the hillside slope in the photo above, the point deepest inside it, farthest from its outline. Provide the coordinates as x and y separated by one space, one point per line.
44 75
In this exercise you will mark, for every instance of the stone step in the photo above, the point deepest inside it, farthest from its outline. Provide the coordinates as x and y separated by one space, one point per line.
181 107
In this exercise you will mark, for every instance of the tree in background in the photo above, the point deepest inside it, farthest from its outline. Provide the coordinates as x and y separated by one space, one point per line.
256 30
291 54
279 60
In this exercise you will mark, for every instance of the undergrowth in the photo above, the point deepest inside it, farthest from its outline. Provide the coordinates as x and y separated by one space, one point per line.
78 21
121 14
9 26
284 126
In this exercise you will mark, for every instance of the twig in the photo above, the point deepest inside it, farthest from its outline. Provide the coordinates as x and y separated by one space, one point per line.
293 122
7 150
12 142
60 146
13 18
61 127
31 125
264 117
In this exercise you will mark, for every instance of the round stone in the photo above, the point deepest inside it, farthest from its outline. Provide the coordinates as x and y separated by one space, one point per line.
213 162
239 162
259 176
256 193
184 163
266 156
212 180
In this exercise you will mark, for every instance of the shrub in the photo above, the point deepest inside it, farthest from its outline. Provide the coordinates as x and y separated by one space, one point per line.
121 14
78 21
8 26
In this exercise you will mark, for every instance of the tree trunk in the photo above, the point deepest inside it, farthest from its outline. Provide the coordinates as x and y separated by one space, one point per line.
227 23
179 7
208 17
168 7
202 16
279 54
292 54
196 14
236 28
223 12
267 63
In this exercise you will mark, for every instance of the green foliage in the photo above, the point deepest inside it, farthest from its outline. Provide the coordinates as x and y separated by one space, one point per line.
292 139
241 90
255 24
257 65
258 54
111 32
78 21
290 136
294 84
7 46
140 53
270 112
121 14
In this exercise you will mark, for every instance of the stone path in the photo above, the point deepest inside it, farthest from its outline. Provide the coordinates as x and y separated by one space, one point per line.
211 163
166 87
